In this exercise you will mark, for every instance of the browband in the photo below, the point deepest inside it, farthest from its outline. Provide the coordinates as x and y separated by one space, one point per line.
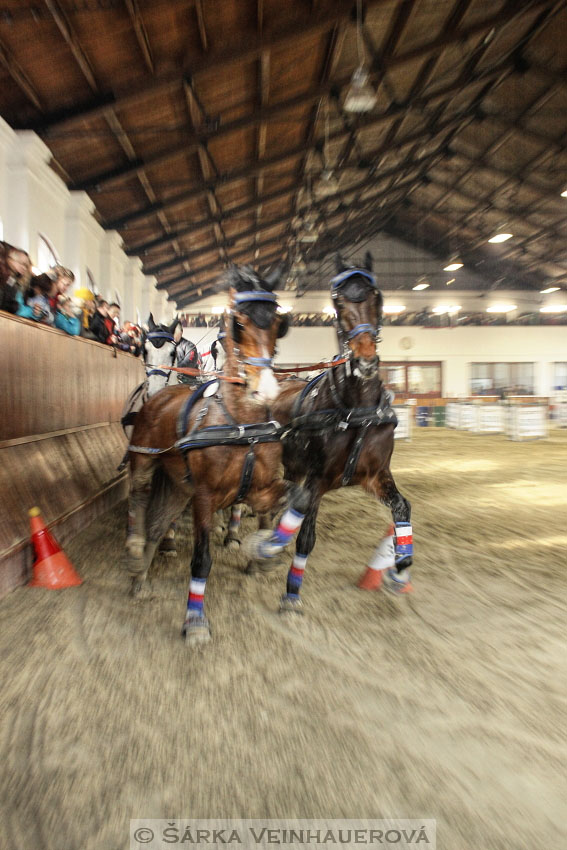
257 295
340 278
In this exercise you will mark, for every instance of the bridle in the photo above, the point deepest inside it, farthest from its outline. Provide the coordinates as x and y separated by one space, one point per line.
246 297
338 283
155 335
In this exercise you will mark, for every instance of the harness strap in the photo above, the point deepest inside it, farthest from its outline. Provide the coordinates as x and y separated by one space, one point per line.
246 474
156 372
354 455
264 362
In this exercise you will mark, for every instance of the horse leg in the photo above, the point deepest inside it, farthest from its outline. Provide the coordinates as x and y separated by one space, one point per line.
141 474
196 629
291 602
167 546
252 567
166 503
232 541
389 566
265 544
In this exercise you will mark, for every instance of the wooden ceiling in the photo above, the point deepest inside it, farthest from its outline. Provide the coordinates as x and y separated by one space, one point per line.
201 128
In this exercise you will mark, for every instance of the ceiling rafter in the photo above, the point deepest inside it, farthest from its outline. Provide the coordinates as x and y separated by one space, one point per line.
373 120
248 50
259 115
141 33
318 204
360 205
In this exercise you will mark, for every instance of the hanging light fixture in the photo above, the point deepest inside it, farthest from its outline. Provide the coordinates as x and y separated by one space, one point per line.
419 286
453 266
549 289
502 234
360 97
328 183
564 193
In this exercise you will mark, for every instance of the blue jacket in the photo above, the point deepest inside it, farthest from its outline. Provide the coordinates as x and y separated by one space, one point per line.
70 324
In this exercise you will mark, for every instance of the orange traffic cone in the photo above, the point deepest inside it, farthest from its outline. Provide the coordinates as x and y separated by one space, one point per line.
52 569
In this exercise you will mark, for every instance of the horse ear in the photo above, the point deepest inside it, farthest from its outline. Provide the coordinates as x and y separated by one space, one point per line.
339 264
285 321
151 323
273 278
368 261
173 325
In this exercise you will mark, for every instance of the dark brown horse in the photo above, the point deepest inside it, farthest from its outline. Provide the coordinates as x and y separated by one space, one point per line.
216 446
341 432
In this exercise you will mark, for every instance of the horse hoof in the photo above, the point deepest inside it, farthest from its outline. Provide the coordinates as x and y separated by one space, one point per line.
231 543
196 631
291 605
167 548
257 546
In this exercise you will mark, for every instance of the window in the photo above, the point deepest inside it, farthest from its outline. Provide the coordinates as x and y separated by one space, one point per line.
46 254
499 378
559 376
413 379
92 282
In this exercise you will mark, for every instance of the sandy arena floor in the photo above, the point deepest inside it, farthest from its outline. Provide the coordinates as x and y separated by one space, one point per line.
446 706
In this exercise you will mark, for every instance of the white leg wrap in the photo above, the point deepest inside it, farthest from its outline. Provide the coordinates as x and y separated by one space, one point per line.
385 554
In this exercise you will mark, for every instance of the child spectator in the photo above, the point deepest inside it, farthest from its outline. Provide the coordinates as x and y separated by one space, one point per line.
65 317
37 305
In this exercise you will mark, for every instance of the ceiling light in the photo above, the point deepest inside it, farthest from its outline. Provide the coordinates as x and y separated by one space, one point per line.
550 289
419 286
564 193
393 309
444 308
501 308
553 308
453 266
500 237
449 282
360 97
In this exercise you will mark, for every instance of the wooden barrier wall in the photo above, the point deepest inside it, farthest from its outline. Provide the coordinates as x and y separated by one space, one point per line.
61 398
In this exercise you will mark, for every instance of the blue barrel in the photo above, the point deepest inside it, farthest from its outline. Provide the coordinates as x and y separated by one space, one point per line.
423 415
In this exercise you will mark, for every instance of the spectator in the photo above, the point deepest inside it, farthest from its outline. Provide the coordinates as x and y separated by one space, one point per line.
102 326
66 318
37 306
63 279
15 274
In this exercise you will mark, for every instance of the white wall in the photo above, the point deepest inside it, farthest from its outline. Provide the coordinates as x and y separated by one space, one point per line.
455 348
34 201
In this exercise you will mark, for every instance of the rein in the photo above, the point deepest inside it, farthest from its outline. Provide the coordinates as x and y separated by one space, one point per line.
324 364
194 372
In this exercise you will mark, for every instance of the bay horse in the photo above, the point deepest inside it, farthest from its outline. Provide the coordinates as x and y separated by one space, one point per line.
214 447
341 433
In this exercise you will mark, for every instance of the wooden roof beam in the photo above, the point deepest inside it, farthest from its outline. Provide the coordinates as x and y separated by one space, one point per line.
141 33
19 76
318 204
246 51
361 205
66 29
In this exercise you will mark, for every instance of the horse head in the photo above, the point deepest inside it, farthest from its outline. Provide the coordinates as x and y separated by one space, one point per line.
254 327
358 305
159 350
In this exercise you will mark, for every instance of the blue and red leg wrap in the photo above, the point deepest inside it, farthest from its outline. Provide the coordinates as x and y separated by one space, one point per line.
403 545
